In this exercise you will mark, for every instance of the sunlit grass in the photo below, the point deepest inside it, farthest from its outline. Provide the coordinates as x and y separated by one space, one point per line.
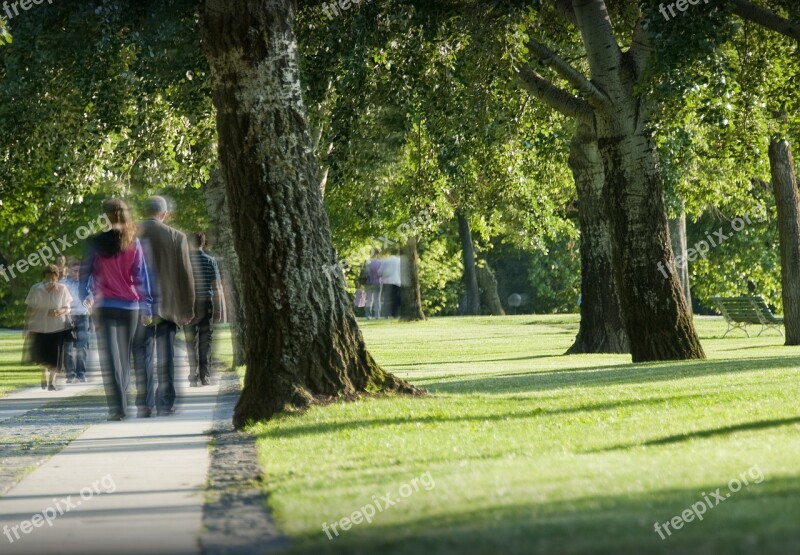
535 452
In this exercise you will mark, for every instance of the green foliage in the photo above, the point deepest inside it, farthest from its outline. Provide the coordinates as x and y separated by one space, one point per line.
440 271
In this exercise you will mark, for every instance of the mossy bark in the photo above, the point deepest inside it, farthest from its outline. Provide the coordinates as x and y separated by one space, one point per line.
303 343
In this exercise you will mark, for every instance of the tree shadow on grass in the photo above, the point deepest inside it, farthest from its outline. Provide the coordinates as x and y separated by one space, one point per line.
621 374
713 432
760 519
287 430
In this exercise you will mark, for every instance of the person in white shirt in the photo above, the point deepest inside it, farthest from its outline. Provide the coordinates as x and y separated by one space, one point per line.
46 320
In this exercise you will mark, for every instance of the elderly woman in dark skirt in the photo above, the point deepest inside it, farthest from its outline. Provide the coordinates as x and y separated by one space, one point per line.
46 321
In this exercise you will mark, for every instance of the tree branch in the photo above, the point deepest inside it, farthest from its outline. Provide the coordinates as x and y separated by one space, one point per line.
565 70
602 48
766 18
555 97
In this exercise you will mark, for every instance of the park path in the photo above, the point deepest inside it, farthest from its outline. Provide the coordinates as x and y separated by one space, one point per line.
135 486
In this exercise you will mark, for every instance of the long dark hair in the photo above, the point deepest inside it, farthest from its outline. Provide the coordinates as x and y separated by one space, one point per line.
120 218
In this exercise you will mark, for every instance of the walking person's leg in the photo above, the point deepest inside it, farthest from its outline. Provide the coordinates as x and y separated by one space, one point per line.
190 332
165 352
109 359
81 346
143 350
126 328
205 330
70 361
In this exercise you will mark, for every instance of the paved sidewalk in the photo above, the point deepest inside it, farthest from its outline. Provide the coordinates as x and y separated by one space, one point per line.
135 486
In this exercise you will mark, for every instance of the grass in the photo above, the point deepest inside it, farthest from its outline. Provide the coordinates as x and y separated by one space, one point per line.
14 375
531 451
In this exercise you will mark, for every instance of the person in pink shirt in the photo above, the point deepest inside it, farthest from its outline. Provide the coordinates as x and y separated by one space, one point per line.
115 267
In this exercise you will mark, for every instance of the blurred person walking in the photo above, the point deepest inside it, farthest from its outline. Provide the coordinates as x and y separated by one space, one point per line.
46 321
167 252
76 352
116 268
390 282
373 266
209 308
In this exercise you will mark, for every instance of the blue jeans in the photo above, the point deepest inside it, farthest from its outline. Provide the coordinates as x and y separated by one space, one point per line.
143 345
75 353
165 363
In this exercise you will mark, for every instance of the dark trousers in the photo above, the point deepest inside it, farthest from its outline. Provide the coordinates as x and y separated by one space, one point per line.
143 352
391 301
198 342
75 352
165 364
115 329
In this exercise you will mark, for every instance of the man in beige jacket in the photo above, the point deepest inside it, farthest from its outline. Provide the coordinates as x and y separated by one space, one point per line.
167 254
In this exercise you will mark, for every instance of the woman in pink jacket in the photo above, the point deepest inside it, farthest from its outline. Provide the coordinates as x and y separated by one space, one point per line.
116 269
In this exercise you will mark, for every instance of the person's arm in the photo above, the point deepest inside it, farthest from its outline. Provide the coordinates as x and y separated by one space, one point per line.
217 295
85 279
142 278
185 279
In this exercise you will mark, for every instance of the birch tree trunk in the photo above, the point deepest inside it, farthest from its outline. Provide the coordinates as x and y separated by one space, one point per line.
602 329
677 236
658 322
473 306
787 199
411 298
303 344
222 235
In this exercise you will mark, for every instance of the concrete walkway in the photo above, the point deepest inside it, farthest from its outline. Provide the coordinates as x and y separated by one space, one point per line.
135 486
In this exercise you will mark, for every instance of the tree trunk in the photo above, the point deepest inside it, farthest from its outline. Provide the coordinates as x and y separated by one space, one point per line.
657 319
473 300
602 329
411 298
488 286
677 236
787 199
303 342
222 239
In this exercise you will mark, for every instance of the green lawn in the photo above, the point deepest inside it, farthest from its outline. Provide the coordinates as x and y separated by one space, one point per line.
12 374
534 452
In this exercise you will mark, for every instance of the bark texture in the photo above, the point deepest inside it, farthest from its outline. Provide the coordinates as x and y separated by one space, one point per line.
411 297
303 343
787 199
602 329
473 298
677 236
657 319
222 239
487 282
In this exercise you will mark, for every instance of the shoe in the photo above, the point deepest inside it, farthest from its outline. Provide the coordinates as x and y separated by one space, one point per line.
51 387
44 384
82 379
192 383
205 381
114 418
144 413
70 380
166 412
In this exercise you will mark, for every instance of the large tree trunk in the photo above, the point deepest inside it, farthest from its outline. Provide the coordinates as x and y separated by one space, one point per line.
473 300
487 283
303 342
657 319
787 199
677 236
222 240
411 298
602 329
